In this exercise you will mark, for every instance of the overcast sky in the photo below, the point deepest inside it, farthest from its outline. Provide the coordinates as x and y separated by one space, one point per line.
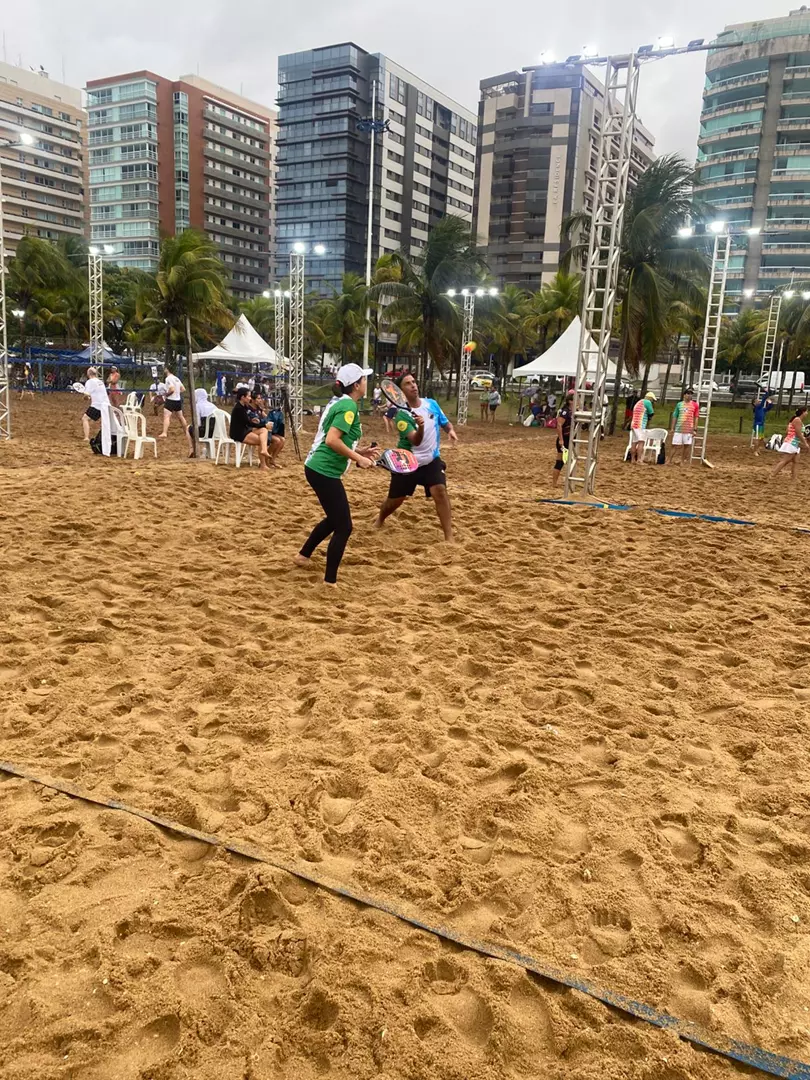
448 43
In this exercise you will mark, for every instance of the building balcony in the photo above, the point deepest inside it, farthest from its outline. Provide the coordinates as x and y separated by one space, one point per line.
728 181
790 123
751 79
259 171
796 247
733 107
778 175
776 224
788 198
785 271
29 118
741 201
796 97
228 139
721 156
729 133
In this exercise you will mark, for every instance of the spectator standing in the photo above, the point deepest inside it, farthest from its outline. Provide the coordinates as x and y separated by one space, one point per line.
642 411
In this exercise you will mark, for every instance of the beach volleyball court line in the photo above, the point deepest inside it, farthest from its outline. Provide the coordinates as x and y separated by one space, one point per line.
687 514
764 1060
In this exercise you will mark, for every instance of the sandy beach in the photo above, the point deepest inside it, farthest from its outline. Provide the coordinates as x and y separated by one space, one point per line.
576 732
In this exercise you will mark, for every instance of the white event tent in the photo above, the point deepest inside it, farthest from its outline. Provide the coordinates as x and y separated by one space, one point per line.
243 346
560 361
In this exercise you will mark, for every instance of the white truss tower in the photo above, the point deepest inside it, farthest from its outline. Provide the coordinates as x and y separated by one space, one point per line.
466 358
769 352
96 300
5 387
601 278
297 338
278 319
711 341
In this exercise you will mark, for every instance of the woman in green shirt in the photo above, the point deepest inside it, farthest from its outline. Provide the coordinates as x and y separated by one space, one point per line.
333 448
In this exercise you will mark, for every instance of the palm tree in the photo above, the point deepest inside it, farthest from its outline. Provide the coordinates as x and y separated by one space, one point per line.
37 269
741 340
506 323
553 308
190 282
418 307
260 312
342 317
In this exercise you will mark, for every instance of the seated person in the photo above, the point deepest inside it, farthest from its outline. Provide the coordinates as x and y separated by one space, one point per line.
205 415
262 417
243 430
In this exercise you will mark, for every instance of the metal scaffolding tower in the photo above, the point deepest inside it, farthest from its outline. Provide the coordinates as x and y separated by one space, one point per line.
5 387
297 338
602 270
771 330
711 340
466 356
96 301
278 320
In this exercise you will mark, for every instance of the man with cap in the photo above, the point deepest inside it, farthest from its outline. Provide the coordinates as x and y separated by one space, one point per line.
642 411
419 431
684 418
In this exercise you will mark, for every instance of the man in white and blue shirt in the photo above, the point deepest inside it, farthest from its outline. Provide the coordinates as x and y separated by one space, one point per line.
420 432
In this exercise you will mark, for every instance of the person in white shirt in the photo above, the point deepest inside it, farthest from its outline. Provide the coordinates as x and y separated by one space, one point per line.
95 389
173 406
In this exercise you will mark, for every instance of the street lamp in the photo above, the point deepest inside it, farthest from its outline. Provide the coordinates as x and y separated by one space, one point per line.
5 389
469 295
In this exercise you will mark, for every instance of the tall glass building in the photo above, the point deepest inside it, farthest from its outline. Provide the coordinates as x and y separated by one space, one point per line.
754 148
424 167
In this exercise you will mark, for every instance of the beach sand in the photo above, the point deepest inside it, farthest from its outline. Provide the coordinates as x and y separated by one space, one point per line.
579 733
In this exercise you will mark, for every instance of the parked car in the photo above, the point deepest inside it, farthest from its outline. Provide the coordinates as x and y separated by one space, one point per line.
482 380
708 384
746 388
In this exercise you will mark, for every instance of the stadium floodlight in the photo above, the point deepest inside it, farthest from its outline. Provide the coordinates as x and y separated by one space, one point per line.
109 249
755 230
465 292
26 139
547 57
93 251
666 41
644 50
748 292
266 294
686 230
716 226
806 296
695 43
574 58
493 291
299 248
319 249
590 50
789 294
451 292
479 292
18 313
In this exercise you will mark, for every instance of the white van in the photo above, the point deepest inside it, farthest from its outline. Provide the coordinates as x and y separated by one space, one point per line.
788 379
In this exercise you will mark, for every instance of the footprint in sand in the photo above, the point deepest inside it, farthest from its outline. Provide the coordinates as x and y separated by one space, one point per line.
683 845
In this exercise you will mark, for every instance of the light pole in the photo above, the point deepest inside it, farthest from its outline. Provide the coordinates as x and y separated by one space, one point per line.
469 296
297 267
278 297
5 386
95 282
374 127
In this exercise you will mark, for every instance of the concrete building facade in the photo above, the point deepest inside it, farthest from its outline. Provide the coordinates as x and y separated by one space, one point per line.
424 168
44 183
166 156
754 148
537 140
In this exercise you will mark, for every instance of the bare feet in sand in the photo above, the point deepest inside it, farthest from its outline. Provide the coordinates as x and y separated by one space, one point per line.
302 561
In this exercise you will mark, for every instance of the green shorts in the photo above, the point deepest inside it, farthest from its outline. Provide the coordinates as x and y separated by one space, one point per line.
759 431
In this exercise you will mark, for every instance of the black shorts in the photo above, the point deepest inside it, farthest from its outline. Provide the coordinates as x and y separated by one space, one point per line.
173 406
403 485
92 412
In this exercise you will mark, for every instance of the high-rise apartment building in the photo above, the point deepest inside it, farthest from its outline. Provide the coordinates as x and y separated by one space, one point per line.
754 148
44 182
166 156
424 168
537 146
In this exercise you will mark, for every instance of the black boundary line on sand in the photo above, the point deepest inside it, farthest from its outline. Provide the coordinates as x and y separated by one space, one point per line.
764 1060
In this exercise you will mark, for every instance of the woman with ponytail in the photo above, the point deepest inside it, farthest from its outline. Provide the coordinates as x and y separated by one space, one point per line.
333 448
792 443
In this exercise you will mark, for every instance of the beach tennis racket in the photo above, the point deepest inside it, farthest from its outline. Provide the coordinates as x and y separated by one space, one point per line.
397 461
78 387
395 395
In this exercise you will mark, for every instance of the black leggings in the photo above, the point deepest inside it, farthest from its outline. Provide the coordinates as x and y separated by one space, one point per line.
337 523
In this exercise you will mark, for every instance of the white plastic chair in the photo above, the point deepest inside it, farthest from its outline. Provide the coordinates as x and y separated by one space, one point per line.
131 402
135 423
208 447
227 442
119 430
653 441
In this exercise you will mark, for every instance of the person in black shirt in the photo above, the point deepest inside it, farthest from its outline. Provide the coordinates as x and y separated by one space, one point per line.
563 434
242 429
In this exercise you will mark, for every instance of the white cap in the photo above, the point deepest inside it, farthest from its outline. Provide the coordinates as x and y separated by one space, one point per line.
349 374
